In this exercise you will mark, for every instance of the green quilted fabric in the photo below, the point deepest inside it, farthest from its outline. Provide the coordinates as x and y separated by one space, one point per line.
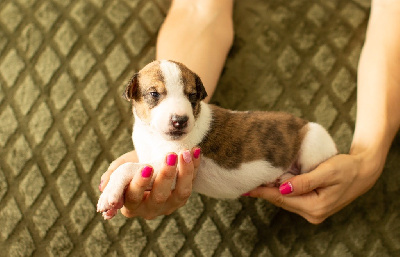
63 65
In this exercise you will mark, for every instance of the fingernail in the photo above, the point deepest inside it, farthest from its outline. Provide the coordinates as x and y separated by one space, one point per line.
101 182
196 153
187 156
146 171
171 159
286 188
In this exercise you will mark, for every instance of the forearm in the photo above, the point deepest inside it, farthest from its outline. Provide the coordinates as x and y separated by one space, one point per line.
198 33
378 99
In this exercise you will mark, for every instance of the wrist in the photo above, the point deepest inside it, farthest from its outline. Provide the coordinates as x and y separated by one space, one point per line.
371 159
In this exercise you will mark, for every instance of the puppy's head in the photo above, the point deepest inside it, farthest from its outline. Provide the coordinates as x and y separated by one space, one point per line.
166 96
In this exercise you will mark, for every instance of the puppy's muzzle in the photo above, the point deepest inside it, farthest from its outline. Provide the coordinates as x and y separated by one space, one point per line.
178 125
179 122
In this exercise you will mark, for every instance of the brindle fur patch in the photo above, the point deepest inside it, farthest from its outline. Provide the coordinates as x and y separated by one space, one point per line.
149 79
272 136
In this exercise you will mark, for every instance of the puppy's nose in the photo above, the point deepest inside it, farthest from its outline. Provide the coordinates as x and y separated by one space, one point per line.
179 122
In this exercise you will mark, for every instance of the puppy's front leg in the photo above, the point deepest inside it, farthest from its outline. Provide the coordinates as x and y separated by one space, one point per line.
112 197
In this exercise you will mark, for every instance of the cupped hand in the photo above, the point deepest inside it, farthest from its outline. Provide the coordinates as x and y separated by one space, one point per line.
326 190
160 200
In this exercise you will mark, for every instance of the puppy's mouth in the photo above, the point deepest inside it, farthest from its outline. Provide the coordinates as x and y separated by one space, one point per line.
176 134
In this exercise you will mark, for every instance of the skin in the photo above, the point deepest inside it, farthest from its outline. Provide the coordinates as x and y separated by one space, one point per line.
334 183
343 178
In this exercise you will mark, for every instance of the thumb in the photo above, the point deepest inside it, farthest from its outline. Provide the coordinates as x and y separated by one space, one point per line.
307 182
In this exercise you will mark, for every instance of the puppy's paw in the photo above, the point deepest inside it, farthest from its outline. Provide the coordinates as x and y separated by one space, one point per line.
109 214
109 202
112 198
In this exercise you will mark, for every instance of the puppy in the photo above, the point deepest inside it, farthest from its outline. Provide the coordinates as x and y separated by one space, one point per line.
240 150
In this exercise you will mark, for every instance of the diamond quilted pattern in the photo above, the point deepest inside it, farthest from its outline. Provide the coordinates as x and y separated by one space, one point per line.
18 155
133 242
24 245
65 37
208 237
45 216
116 62
60 245
26 95
9 217
30 40
82 62
31 186
47 14
11 67
97 243
81 213
8 126
118 12
101 36
82 12
11 16
3 185
68 183
75 119
47 64
53 152
63 67
62 91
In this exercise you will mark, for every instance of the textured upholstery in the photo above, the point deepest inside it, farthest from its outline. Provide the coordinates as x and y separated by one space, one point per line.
63 65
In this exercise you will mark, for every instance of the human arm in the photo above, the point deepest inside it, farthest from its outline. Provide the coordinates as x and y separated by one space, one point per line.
338 181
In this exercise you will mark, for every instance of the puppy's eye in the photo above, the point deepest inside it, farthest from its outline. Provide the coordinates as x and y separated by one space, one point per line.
155 94
193 97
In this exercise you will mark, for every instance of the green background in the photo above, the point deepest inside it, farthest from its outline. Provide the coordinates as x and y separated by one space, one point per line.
63 66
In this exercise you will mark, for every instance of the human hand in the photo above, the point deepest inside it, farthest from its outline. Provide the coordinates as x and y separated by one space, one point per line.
161 200
326 190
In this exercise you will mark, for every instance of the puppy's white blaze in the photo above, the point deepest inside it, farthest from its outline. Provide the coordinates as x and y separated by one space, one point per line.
175 103
317 147
172 78
215 181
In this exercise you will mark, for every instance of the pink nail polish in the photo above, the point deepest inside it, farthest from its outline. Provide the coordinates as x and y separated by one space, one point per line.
171 159
187 156
246 194
286 188
146 171
196 153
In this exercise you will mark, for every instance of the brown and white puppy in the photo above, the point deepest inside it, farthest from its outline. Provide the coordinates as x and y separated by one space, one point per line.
240 150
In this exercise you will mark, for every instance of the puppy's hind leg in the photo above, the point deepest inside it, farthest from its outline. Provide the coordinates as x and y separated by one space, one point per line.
317 147
112 197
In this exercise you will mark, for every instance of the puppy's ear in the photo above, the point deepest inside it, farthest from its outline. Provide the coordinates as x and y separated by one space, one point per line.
131 88
201 91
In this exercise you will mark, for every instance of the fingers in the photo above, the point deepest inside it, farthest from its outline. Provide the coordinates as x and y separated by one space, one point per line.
135 191
307 205
196 160
322 176
183 187
161 200
127 157
163 183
